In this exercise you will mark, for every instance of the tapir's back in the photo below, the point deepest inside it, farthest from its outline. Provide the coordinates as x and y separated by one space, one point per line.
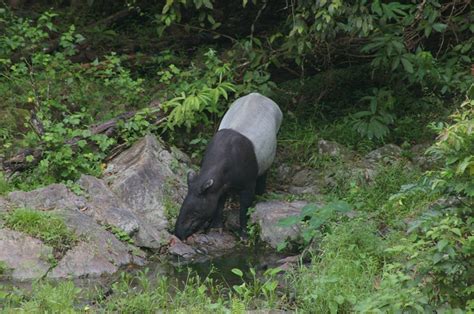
258 118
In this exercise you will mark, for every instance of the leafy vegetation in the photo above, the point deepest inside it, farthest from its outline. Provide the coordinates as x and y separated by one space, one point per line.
361 73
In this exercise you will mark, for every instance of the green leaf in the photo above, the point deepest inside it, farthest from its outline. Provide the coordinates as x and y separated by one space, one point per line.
441 245
340 206
281 246
456 231
237 272
407 65
289 221
439 27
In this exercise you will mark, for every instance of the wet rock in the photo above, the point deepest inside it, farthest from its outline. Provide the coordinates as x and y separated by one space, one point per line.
202 246
213 243
268 214
51 197
146 177
289 262
182 250
333 149
104 206
27 257
388 154
99 251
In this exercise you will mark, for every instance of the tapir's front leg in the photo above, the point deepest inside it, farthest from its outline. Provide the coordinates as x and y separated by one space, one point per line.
218 219
246 199
261 184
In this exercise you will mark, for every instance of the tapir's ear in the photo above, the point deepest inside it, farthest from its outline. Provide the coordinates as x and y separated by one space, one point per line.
191 175
207 185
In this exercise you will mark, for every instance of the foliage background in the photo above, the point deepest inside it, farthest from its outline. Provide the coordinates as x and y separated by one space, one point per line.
362 73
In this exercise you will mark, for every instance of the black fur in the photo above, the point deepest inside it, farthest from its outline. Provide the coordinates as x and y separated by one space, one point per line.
230 162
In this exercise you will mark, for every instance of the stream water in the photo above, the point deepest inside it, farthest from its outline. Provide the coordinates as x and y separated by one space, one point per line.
219 269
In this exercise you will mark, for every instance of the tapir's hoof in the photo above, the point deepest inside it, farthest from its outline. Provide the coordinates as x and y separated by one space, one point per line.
173 240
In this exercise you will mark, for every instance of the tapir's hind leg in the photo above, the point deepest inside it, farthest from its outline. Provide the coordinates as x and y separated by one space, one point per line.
261 184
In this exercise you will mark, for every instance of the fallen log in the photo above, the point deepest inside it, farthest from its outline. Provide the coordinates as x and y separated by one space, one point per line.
27 158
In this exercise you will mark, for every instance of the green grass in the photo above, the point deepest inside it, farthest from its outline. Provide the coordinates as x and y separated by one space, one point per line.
5 187
3 267
343 273
48 227
371 196
142 293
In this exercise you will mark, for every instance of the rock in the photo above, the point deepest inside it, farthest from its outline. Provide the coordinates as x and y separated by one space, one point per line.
4 205
104 206
303 177
289 262
387 153
146 177
421 159
203 246
50 197
27 257
268 214
182 250
312 189
283 173
83 260
333 149
99 251
213 243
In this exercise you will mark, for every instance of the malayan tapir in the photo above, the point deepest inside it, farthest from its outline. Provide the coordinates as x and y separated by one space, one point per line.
236 159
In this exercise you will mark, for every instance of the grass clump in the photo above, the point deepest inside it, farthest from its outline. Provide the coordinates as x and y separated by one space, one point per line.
48 227
48 298
371 196
343 273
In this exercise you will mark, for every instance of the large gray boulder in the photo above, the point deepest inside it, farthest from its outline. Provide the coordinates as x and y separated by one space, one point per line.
26 257
268 215
50 197
105 207
147 178
98 252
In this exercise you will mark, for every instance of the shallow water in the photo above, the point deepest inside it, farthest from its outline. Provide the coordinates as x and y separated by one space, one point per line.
219 269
